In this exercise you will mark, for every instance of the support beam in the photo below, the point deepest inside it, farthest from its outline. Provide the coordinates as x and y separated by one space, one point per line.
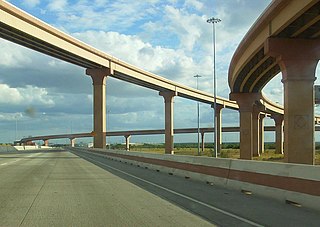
246 102
168 111
127 137
99 78
298 60
278 120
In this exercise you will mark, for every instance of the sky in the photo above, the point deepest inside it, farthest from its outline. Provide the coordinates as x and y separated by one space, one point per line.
40 95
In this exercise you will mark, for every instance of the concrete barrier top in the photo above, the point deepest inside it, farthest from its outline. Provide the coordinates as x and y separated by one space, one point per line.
262 167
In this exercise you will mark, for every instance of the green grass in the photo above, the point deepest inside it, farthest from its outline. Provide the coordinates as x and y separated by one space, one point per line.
268 155
318 157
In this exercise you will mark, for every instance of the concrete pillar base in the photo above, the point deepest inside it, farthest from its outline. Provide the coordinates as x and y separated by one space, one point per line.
46 143
278 119
246 102
255 132
127 137
218 137
202 142
99 78
168 101
261 133
297 59
72 142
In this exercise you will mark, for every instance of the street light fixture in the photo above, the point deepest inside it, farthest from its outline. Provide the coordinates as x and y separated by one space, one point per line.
198 110
214 21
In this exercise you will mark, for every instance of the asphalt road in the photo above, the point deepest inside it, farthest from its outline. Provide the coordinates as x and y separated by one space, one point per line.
216 204
60 188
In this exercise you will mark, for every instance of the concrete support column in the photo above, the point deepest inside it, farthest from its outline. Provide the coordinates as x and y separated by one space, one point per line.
46 143
218 115
278 120
127 137
168 111
99 78
261 133
202 142
72 142
297 59
246 103
255 132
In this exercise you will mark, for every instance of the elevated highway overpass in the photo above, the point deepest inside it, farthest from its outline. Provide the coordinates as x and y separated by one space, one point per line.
286 39
127 135
21 28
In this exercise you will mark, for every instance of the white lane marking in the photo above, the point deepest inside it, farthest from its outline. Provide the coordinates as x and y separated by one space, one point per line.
34 154
181 195
19 159
7 163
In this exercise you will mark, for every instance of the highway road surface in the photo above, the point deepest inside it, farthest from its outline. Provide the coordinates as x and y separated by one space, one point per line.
62 188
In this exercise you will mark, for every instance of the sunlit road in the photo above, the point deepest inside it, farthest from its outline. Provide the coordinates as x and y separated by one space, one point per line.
81 189
61 189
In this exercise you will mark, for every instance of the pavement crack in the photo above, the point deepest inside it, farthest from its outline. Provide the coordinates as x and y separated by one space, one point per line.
45 180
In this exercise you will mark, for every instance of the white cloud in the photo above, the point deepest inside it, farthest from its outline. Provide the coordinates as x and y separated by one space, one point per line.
173 64
10 116
106 15
9 95
13 56
57 5
185 25
194 3
31 3
36 95
26 96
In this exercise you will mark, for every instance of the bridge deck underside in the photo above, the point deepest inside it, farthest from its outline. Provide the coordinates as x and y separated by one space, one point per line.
260 69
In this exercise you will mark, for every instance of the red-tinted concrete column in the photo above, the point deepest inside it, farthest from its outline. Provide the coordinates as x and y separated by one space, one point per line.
261 133
255 132
246 102
278 120
127 137
297 59
72 142
46 143
168 111
99 77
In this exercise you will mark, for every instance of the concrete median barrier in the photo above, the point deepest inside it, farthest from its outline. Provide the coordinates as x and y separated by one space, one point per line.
295 184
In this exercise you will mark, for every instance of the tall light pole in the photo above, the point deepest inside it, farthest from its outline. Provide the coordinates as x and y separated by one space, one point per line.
16 117
213 21
16 131
198 110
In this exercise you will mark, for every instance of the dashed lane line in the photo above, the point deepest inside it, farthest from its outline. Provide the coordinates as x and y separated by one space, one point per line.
19 159
181 195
